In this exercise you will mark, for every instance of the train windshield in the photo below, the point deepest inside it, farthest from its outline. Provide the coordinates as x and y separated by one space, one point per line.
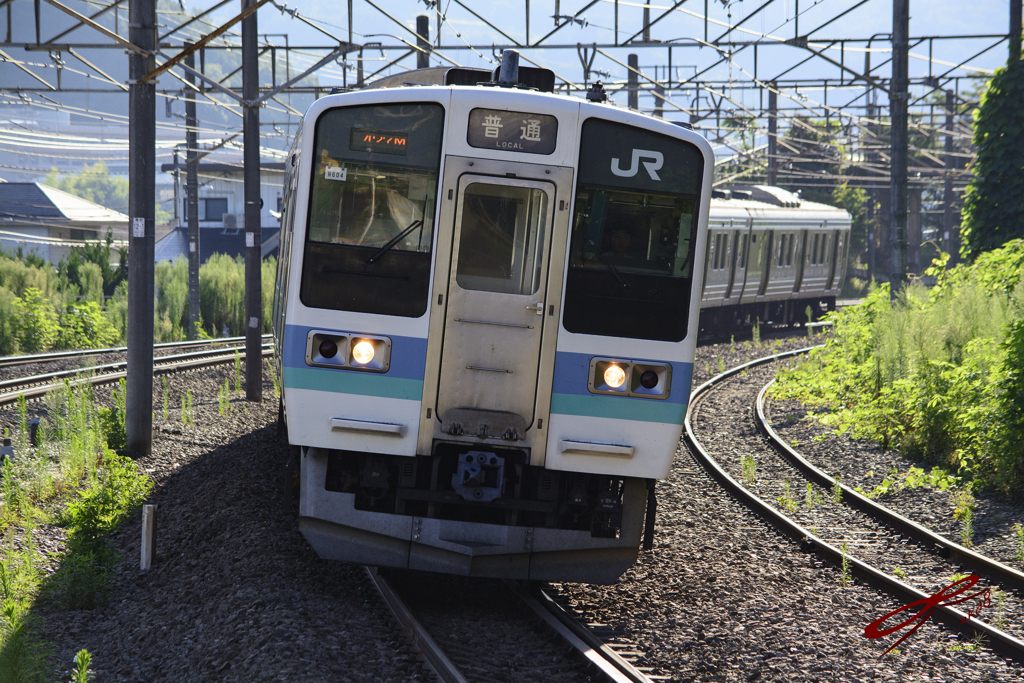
630 263
371 209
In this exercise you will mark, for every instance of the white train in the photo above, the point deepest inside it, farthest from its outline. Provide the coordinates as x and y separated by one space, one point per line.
485 316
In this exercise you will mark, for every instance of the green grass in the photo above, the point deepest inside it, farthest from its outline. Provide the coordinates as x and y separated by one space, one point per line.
939 375
75 479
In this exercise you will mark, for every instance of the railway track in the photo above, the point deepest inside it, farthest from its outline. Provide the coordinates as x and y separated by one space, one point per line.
36 386
466 663
874 544
49 357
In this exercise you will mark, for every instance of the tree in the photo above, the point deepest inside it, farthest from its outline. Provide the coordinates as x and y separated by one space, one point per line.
95 184
994 200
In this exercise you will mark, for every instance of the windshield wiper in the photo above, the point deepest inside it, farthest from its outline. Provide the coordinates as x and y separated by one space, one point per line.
395 240
615 271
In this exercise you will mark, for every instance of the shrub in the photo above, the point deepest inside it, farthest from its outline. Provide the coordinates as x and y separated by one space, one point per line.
10 322
171 280
85 327
936 375
39 325
18 276
222 294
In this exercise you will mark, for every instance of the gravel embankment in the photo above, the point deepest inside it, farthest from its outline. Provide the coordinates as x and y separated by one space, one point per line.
236 594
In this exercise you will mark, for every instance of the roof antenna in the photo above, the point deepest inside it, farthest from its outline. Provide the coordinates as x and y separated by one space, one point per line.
508 76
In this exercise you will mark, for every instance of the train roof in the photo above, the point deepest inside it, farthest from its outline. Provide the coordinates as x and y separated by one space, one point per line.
741 201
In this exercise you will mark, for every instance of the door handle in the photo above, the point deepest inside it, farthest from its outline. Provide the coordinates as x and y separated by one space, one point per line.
536 306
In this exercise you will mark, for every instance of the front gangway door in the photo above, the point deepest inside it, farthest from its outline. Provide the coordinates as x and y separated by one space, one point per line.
496 287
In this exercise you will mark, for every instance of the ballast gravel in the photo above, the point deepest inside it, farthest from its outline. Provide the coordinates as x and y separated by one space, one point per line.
236 594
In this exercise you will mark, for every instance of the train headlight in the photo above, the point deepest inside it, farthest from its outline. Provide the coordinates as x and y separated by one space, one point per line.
362 352
640 379
614 376
328 348
347 351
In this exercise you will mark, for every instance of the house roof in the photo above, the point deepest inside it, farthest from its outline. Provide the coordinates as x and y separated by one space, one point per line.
38 203
211 241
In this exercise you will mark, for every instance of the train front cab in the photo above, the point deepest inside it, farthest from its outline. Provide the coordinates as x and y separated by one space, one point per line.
484 436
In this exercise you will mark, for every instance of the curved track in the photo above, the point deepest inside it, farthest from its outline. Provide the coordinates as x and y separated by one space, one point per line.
1005 643
29 359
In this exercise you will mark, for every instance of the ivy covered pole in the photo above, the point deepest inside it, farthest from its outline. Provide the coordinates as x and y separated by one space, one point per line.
993 212
898 97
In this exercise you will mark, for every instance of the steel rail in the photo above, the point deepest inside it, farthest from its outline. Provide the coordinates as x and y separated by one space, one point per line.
9 361
184 362
996 571
610 663
958 621
433 655
51 377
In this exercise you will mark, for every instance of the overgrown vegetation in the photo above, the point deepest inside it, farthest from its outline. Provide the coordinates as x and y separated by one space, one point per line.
74 478
82 302
994 199
938 375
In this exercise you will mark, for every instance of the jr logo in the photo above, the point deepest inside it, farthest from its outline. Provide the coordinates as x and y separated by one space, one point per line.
657 159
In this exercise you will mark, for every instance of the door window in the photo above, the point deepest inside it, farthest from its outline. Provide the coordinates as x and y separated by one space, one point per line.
501 248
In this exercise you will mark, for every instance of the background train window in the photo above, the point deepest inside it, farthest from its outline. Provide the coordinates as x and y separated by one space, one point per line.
501 248
741 254
371 211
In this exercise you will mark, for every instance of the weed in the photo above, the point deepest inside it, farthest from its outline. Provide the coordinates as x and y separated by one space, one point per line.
238 373
786 499
732 341
186 408
224 398
166 399
749 466
958 577
1018 531
756 333
810 319
999 621
23 657
837 492
274 378
707 368
844 573
721 365
811 497
964 503
81 673
899 573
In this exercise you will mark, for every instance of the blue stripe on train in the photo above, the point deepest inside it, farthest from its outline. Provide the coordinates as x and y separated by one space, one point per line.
408 354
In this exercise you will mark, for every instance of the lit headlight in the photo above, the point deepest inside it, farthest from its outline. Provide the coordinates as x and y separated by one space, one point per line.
614 376
362 353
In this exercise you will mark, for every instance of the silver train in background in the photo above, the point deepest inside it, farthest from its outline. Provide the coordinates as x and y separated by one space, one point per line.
770 255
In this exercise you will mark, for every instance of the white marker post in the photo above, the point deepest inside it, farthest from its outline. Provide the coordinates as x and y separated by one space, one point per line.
148 537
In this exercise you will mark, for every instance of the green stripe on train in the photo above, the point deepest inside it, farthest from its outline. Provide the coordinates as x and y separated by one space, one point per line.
349 382
618 407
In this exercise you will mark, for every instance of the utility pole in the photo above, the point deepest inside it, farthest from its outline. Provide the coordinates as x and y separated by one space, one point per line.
950 234
659 100
253 220
141 239
423 41
633 83
192 197
898 98
773 135
1015 30
647 22
868 156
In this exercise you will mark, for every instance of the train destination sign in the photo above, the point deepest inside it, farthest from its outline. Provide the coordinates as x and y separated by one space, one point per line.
378 141
512 131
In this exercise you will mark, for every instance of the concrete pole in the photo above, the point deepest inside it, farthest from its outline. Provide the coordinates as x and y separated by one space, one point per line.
914 236
898 176
633 83
253 221
1015 30
659 103
950 233
141 238
192 197
647 22
773 136
423 42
